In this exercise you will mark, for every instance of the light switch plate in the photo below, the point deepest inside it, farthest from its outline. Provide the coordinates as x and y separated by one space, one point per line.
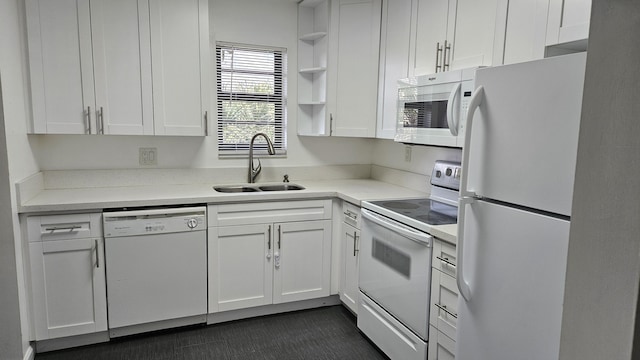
148 156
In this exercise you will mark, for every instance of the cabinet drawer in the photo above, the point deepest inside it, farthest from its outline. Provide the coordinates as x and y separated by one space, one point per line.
266 212
351 214
444 257
443 311
69 226
441 347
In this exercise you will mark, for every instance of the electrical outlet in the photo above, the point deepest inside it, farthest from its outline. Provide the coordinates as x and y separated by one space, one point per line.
407 153
148 156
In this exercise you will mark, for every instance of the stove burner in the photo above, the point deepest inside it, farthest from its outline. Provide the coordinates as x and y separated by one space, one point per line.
400 205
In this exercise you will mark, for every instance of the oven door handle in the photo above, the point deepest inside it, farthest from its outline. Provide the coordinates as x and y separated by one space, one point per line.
415 235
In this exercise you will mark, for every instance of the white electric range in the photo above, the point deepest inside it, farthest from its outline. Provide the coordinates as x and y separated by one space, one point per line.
395 264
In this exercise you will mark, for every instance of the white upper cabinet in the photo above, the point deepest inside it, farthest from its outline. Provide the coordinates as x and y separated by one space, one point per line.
338 55
456 34
91 66
122 67
394 62
353 66
180 60
568 21
313 47
61 64
526 30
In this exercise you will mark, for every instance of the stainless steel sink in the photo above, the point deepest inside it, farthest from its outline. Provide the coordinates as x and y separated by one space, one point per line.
245 188
281 187
234 189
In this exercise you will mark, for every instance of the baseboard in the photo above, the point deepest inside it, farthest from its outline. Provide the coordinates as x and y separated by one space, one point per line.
215 318
71 341
29 354
158 325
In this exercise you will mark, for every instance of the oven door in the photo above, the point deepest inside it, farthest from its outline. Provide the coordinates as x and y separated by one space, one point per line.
395 269
429 114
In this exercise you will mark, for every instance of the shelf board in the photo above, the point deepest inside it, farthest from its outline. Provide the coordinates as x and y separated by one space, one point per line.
313 36
311 102
313 70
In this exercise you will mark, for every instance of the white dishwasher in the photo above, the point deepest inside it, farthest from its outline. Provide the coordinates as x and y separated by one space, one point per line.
156 267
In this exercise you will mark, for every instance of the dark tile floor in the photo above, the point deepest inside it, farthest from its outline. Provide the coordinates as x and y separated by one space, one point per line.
324 333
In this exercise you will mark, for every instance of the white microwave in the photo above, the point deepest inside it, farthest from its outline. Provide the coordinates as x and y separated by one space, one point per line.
432 108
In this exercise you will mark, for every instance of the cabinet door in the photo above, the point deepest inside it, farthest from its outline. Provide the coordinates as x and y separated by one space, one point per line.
432 21
440 346
568 21
475 34
302 260
349 293
122 62
240 267
354 52
526 30
180 62
394 63
61 66
68 284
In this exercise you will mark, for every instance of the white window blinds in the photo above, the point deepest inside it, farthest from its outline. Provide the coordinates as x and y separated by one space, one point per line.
251 89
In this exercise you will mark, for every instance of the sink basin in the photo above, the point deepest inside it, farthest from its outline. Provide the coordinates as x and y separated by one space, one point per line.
234 189
281 187
247 188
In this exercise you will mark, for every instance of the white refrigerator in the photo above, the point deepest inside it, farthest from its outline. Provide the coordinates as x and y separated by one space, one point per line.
515 207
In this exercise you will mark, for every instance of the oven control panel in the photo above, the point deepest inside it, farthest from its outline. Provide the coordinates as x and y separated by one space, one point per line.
446 174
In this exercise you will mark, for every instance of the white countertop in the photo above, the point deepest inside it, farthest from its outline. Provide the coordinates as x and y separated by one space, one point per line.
83 199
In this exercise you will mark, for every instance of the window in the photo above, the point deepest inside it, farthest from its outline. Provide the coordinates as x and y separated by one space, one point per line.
251 88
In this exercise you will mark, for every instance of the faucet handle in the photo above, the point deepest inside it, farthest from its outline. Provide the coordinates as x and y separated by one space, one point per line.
286 178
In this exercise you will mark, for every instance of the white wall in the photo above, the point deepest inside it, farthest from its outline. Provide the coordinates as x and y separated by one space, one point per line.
16 162
603 269
392 154
271 23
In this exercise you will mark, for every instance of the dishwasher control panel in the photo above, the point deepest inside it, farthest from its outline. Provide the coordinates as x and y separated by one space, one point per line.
154 221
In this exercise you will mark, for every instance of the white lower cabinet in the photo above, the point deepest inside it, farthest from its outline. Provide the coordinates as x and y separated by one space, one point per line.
441 347
349 292
68 292
255 260
443 312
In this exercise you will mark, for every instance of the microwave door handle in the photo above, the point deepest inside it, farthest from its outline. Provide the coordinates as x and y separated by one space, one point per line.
474 103
452 120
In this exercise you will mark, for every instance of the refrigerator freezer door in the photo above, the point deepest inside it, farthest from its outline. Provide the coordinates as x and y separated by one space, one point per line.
515 263
524 135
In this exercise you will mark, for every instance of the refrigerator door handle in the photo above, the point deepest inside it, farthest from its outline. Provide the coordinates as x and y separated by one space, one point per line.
463 285
474 104
452 120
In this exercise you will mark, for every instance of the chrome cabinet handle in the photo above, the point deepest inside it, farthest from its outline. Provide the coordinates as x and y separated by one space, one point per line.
446 261
446 60
351 215
206 123
438 53
89 118
57 228
97 254
330 124
355 240
279 236
444 308
101 113
269 238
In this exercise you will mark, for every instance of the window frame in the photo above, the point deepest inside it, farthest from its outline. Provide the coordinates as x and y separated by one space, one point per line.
278 98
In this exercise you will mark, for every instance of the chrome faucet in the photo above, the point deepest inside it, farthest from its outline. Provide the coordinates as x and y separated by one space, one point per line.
253 172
